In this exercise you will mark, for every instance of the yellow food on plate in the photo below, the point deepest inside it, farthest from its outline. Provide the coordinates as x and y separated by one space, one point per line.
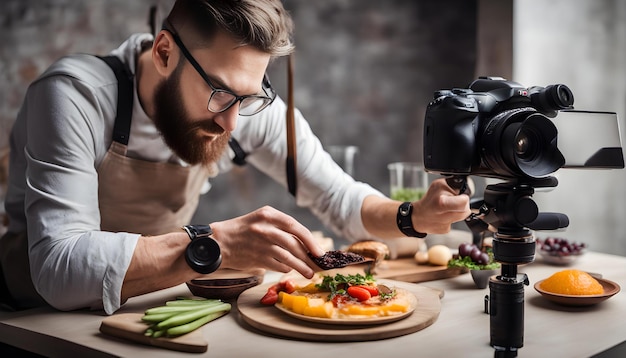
346 297
572 282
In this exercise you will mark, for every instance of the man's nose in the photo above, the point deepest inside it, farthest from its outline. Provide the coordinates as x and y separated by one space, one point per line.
228 119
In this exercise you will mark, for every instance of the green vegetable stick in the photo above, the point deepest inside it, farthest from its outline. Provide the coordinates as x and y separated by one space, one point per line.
178 309
189 316
159 333
157 317
185 303
191 326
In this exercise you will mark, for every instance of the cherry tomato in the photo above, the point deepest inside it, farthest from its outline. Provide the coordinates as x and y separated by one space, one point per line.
371 289
360 293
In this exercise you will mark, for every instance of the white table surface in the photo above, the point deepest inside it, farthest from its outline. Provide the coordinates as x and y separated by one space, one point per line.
461 330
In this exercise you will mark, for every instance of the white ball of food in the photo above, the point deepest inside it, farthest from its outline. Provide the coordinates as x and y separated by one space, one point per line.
421 257
439 255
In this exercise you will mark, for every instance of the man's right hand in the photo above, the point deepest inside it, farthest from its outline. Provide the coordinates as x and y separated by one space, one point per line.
266 238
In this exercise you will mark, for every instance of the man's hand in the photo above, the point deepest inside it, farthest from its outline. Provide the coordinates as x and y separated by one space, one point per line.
439 208
266 238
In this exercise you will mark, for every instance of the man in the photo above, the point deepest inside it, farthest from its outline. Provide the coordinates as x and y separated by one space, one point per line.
96 203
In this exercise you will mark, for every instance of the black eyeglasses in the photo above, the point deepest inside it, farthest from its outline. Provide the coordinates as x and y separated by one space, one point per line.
221 99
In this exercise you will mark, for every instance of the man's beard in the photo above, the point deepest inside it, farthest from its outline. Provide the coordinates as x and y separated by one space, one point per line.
184 136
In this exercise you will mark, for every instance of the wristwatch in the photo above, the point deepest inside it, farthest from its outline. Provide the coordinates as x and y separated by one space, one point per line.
203 254
404 221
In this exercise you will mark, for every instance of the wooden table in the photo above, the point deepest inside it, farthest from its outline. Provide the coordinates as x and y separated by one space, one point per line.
461 330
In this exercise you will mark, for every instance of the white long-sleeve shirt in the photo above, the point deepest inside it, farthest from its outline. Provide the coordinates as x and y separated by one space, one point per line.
63 132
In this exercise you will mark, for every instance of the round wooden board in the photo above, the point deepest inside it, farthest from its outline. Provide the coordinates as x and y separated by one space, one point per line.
271 320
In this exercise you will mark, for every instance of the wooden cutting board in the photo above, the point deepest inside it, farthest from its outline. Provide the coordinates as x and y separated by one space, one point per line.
129 326
404 269
407 270
269 319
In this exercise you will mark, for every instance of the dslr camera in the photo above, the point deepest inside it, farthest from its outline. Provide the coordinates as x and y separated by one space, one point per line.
501 129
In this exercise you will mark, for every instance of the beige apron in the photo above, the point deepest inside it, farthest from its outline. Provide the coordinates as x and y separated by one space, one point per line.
146 197
135 196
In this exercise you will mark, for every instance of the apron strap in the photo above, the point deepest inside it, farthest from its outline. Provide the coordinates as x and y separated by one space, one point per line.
121 129
240 154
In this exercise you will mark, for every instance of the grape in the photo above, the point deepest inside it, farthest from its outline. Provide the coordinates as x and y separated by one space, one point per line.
475 254
465 249
558 246
483 258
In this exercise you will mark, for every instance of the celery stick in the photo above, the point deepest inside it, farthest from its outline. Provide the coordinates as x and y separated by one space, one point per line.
157 317
185 303
189 316
193 325
177 309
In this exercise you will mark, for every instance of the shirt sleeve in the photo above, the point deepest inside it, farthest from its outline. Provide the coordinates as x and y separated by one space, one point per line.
323 187
73 264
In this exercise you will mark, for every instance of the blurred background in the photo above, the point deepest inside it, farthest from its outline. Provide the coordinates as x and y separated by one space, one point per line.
365 71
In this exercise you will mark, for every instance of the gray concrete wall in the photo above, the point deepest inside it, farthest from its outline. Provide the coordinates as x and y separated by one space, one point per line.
581 43
365 70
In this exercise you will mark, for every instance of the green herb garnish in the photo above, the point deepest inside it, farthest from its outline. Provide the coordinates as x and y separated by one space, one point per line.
339 284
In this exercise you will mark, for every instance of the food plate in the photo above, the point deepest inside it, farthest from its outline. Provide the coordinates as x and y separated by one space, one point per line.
270 320
356 321
610 289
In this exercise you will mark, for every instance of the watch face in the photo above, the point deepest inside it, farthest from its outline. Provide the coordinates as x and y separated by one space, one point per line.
203 255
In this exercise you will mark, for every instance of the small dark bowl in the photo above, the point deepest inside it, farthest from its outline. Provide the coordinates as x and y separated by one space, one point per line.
223 288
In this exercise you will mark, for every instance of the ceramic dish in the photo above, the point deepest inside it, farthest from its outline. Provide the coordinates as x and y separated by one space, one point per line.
225 284
558 260
610 289
481 277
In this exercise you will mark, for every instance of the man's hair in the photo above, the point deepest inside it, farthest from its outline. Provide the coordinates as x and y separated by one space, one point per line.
263 24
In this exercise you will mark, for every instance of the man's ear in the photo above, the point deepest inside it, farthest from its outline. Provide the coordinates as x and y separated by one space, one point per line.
164 53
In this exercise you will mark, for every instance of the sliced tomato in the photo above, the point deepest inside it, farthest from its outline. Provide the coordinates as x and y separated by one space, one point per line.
270 298
371 289
339 300
360 293
289 286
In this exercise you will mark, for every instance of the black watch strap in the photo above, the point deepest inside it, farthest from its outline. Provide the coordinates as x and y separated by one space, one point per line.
196 231
403 219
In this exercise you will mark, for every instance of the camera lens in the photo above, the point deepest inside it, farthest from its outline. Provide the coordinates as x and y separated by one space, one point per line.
529 146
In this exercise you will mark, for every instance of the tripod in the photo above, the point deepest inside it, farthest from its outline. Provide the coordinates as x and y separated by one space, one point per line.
509 210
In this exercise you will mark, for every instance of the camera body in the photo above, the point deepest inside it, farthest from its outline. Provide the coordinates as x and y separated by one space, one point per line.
495 128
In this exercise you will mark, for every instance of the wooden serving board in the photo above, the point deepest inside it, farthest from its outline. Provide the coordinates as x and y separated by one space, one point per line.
271 320
407 269
129 326
404 269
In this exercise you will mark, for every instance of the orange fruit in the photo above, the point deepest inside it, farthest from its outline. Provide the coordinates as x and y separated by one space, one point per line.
572 282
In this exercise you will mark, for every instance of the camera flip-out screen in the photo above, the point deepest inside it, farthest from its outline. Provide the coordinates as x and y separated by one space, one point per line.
589 139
